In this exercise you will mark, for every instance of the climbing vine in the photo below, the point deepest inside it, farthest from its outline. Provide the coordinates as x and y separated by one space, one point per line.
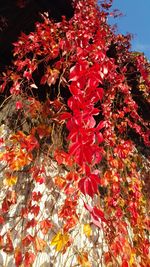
74 144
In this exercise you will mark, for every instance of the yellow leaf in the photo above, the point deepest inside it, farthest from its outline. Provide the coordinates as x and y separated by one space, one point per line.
132 259
87 230
142 87
60 240
10 180
1 155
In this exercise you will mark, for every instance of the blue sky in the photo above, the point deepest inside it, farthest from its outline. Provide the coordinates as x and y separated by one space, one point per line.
136 20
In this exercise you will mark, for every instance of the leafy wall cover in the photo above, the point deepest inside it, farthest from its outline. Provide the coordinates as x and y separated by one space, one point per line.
74 145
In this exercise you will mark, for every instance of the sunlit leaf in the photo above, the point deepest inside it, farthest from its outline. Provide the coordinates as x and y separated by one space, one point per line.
59 181
20 160
132 259
10 179
59 241
87 230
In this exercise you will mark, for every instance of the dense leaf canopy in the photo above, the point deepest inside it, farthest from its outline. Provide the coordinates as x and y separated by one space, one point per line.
75 98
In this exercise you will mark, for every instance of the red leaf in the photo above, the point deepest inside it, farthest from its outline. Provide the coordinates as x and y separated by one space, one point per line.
27 75
65 116
35 210
1 220
70 223
100 92
99 137
116 248
72 176
1 141
31 223
5 206
29 258
100 125
40 179
24 212
125 264
19 105
89 185
26 241
99 213
18 257
74 148
96 221
89 208
36 196
74 89
30 143
107 257
8 245
78 70
96 215
21 3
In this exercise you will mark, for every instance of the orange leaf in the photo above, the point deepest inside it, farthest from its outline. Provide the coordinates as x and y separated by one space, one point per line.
45 225
43 130
107 258
70 223
72 176
1 242
59 181
63 158
39 244
20 160
83 259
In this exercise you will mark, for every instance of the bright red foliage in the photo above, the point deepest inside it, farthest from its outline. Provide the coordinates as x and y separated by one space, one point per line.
99 163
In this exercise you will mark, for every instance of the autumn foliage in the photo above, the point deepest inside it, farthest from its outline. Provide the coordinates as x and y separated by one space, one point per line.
73 89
